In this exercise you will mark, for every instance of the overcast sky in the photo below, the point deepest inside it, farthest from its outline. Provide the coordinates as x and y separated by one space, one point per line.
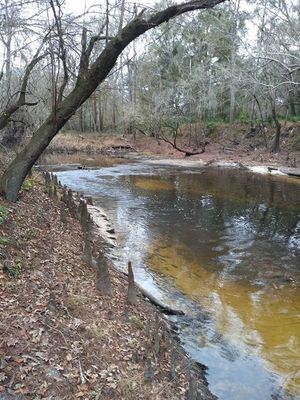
78 6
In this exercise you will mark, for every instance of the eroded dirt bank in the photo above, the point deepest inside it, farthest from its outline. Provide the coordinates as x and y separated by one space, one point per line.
230 145
59 337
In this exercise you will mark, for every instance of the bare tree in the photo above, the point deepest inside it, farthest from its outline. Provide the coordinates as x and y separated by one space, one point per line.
88 79
11 108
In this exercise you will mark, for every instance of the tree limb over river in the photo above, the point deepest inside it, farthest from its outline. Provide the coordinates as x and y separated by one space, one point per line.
88 78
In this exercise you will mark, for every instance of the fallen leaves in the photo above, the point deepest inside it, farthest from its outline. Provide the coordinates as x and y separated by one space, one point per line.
2 376
58 336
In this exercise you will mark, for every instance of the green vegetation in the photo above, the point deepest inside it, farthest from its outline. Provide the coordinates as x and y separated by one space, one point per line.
137 322
212 124
30 234
3 214
14 269
243 117
295 118
28 184
4 241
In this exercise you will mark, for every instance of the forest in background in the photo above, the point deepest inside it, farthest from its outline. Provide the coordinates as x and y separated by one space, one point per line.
236 63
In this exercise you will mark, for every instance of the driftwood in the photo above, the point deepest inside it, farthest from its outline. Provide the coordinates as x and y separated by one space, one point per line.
164 307
187 152
286 170
122 147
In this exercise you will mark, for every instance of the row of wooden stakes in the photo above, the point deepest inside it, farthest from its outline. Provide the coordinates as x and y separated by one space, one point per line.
77 205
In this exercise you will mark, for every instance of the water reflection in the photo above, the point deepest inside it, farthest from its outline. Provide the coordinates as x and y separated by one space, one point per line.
264 321
226 245
64 161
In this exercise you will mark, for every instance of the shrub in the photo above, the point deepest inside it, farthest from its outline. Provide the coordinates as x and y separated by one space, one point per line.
243 117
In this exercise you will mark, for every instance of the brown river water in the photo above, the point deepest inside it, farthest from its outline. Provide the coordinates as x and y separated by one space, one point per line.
224 246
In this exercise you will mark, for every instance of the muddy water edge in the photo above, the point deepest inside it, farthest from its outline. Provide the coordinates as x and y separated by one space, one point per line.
222 245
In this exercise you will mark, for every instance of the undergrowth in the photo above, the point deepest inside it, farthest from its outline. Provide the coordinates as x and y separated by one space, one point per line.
3 214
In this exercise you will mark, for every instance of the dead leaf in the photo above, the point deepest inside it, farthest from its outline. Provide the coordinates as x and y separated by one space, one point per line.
12 342
2 376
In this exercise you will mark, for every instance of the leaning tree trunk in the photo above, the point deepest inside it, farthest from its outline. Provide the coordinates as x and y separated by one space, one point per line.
12 179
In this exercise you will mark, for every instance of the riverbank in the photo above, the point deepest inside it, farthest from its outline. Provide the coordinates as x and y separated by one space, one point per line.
89 152
58 335
230 145
85 330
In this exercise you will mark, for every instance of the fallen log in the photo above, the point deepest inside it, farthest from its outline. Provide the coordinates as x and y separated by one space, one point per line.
290 171
164 307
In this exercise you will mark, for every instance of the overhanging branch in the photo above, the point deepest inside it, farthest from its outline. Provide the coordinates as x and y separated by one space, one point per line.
8 111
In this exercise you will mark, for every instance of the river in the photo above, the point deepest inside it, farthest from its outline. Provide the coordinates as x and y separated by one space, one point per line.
224 246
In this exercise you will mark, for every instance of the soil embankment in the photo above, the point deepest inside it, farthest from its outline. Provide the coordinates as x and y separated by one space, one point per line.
228 144
59 337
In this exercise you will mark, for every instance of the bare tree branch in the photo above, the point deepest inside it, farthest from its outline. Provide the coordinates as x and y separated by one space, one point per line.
62 49
173 143
6 114
12 179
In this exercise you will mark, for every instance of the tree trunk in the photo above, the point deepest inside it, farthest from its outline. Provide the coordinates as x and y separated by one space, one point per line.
81 120
100 113
114 110
12 179
95 115
291 103
232 104
8 32
276 142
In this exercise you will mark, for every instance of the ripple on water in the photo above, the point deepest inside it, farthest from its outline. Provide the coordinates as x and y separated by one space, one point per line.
228 253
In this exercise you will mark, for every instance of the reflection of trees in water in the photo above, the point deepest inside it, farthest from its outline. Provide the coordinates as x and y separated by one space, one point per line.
245 187
194 220
244 215
189 221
